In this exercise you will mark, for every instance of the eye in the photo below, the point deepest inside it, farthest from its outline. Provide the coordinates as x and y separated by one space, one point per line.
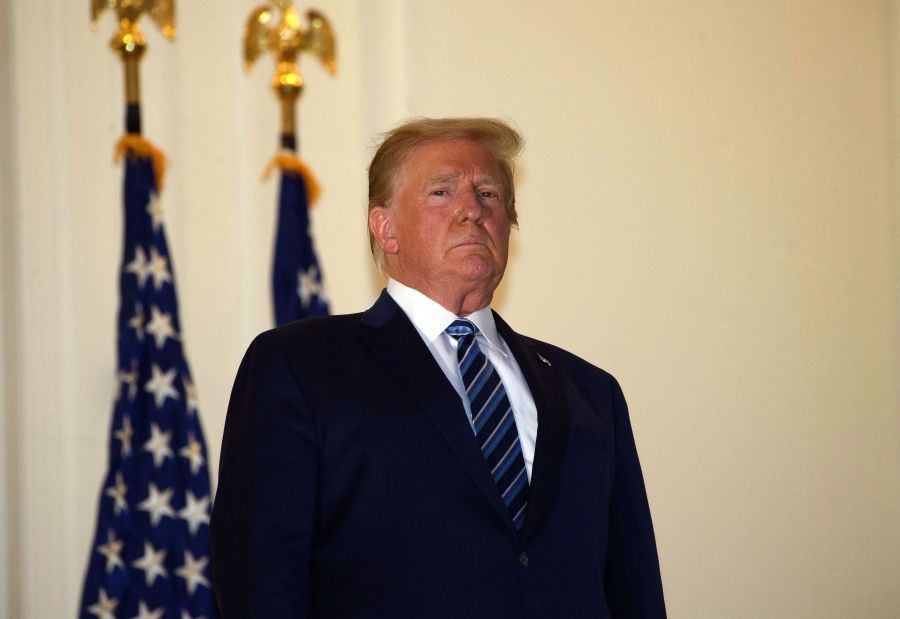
439 192
489 194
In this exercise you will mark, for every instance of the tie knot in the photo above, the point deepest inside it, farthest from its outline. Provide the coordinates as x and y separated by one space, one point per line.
460 328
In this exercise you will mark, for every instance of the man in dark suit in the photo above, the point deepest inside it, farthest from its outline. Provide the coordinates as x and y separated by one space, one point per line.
422 459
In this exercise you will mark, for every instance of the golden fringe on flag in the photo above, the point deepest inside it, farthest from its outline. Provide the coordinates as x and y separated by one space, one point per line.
135 145
293 164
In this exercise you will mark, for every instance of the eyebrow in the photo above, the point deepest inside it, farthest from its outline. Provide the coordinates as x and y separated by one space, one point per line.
444 178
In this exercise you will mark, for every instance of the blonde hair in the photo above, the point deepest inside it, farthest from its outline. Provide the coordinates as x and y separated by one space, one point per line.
497 137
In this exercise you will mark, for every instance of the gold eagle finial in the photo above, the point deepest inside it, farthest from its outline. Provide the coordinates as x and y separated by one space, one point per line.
287 39
129 40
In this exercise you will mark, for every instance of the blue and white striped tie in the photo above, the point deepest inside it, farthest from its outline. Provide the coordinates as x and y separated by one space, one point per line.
492 416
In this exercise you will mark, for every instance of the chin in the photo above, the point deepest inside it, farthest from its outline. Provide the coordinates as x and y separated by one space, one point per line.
482 273
474 268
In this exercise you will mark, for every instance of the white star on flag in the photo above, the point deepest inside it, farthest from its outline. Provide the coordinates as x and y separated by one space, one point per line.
124 435
157 504
159 269
192 571
118 492
160 326
146 613
191 395
193 451
158 445
308 286
160 385
155 210
136 322
151 563
105 608
139 266
112 550
130 379
195 512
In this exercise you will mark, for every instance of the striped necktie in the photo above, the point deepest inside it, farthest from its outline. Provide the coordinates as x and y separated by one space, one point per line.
492 416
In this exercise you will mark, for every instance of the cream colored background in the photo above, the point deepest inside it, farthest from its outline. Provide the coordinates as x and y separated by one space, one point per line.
709 210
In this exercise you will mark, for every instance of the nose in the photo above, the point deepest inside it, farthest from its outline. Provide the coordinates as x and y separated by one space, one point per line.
471 207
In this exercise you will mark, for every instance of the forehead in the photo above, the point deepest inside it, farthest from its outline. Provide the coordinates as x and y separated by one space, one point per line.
456 156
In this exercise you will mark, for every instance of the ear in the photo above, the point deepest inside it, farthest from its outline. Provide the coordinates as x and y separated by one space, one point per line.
381 223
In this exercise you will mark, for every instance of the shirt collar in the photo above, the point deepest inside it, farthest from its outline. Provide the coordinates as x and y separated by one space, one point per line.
431 318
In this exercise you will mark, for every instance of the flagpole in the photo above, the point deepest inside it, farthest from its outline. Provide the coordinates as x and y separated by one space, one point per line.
129 44
297 288
131 60
289 122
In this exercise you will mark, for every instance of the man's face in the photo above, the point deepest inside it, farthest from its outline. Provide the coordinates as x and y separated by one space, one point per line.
446 226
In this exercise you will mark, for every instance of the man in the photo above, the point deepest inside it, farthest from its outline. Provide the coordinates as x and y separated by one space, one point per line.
422 459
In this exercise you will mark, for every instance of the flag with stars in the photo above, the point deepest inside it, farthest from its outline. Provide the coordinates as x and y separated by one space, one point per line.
150 557
296 276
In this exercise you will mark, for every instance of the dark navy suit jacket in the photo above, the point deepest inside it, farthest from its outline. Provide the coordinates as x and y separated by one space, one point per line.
351 486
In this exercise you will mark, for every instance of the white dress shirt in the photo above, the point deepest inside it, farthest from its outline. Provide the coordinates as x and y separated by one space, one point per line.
431 319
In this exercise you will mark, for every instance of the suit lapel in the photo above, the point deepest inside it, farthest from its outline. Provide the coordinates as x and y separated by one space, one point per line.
553 427
393 339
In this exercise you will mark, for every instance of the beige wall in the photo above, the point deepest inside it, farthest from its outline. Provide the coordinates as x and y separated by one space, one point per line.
892 38
708 210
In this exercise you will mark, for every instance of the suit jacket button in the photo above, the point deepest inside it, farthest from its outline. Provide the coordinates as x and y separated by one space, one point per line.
523 559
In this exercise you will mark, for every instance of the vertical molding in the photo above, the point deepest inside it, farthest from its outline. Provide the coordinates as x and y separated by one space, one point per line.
10 582
892 102
385 78
385 66
252 208
46 465
63 115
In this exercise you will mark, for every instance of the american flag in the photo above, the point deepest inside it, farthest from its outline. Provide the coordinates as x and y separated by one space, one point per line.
150 557
296 276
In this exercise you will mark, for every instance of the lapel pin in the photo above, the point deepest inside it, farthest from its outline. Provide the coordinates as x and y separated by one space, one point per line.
543 359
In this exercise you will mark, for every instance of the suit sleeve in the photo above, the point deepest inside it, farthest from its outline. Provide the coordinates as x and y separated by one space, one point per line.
263 519
633 583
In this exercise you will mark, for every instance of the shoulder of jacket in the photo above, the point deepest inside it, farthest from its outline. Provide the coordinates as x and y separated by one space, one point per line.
311 330
563 358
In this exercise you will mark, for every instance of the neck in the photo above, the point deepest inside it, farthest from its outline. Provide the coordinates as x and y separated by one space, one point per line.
460 299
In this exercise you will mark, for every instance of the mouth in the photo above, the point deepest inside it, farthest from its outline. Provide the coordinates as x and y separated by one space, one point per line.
472 242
